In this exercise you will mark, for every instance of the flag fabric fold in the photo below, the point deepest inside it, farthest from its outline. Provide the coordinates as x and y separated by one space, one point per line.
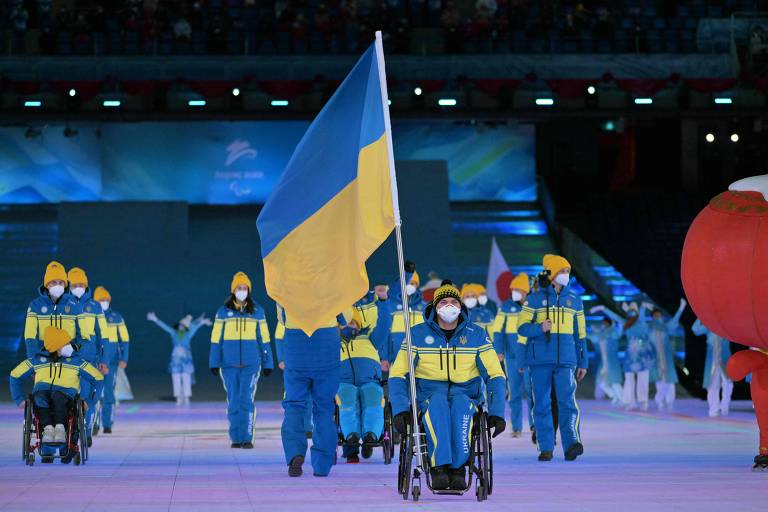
332 207
499 275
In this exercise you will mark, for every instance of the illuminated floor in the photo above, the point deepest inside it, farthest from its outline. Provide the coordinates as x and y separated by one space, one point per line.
166 458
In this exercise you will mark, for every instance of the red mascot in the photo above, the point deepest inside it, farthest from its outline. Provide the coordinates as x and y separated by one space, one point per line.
727 249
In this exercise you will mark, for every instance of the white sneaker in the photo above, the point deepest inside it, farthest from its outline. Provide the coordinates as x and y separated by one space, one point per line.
48 434
186 400
724 412
714 414
179 400
59 434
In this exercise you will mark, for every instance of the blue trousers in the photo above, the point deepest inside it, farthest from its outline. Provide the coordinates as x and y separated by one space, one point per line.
319 387
361 409
108 402
240 385
308 417
447 421
519 383
569 417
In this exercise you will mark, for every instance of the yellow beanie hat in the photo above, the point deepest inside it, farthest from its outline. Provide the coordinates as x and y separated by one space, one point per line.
415 277
77 275
447 290
55 338
54 272
521 282
555 264
100 294
472 288
239 279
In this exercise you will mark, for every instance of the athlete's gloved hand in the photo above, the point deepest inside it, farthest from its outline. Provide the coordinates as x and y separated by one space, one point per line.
401 421
266 372
215 372
498 425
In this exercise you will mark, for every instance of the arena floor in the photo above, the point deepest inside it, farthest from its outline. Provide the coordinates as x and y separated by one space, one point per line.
166 458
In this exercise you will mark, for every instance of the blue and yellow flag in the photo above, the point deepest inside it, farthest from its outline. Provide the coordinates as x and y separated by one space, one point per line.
332 207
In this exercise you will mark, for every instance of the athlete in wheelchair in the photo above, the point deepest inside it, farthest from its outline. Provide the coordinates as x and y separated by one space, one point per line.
362 410
457 373
54 412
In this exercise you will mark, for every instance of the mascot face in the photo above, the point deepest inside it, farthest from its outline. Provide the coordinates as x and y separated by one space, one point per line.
724 267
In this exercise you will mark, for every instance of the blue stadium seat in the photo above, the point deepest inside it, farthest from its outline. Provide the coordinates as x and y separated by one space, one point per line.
99 43
604 47
234 42
64 43
131 43
114 43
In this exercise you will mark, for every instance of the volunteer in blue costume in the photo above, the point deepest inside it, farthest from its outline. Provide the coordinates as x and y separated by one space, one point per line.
553 323
715 376
605 337
240 353
452 359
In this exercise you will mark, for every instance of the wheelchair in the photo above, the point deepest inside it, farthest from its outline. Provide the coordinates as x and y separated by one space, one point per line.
480 462
386 441
76 443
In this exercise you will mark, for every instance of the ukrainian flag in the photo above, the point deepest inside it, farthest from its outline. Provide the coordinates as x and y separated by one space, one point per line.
332 206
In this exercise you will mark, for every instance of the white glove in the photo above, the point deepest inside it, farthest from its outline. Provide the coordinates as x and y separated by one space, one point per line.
597 309
683 303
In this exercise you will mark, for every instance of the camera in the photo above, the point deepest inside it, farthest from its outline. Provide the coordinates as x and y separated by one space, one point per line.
544 279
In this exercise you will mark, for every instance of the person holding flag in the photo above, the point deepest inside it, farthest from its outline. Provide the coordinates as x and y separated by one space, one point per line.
332 207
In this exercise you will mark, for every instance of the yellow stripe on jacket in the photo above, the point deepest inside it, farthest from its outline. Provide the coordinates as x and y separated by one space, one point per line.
454 363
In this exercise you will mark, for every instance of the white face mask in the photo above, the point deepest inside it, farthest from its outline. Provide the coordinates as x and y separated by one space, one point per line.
56 291
562 279
66 351
482 300
470 302
410 290
449 313
78 292
241 295
104 305
517 296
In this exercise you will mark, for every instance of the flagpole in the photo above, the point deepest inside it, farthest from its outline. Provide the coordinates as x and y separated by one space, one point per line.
418 469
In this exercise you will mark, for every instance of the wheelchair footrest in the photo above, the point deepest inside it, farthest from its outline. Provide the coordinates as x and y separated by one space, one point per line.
449 492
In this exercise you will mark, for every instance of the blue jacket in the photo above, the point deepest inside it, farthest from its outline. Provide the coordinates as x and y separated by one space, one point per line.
360 359
459 365
71 375
93 326
504 329
416 307
239 339
43 312
565 344
481 316
117 340
718 351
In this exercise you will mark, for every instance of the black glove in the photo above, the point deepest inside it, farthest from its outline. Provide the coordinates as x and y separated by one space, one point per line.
266 372
497 424
401 421
215 372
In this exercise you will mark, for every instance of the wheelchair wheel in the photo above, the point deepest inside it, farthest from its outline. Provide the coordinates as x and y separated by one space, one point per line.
27 434
483 485
490 464
82 432
404 466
